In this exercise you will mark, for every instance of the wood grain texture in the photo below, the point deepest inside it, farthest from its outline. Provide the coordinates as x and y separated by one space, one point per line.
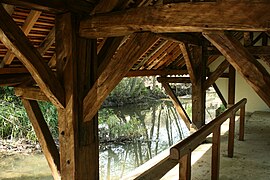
44 136
180 17
30 93
28 24
76 66
115 70
216 74
247 66
13 38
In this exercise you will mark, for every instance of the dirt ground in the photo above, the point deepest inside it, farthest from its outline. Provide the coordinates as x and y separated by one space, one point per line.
251 159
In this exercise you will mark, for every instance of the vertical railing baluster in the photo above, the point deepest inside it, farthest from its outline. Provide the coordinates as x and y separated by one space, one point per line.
242 124
185 167
231 136
215 153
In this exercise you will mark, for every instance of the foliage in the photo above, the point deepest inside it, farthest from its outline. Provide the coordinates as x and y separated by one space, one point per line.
112 127
14 122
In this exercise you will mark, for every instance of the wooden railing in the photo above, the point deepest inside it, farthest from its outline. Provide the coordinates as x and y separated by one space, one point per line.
182 151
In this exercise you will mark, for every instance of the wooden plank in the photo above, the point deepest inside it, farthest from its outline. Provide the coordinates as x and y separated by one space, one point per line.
177 104
162 72
224 102
13 71
77 67
117 68
180 17
44 136
48 5
173 79
253 72
47 42
185 167
13 79
189 62
13 38
215 153
28 24
30 93
216 74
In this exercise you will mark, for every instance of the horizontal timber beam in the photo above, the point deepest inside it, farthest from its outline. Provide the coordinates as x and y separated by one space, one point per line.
136 73
174 79
254 50
180 17
30 93
13 79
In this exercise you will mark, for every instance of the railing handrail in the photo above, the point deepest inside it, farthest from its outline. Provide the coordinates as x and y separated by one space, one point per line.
190 143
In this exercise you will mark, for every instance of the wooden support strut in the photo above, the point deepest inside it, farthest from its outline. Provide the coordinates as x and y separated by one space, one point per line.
115 70
14 39
44 136
245 64
180 109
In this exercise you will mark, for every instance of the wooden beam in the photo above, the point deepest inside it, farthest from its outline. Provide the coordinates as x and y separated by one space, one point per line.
198 93
181 17
173 79
231 102
44 136
224 102
28 24
187 38
13 79
22 70
49 5
47 42
13 38
216 74
115 70
254 50
77 68
177 104
163 72
254 73
30 93
189 62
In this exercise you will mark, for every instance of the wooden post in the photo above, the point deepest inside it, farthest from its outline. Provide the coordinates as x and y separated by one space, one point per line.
231 101
215 154
77 68
185 167
198 93
242 124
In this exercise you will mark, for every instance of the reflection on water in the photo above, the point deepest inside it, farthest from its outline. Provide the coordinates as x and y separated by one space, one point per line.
24 167
161 128
159 125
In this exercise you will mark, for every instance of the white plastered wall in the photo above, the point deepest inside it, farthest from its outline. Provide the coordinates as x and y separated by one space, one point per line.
242 89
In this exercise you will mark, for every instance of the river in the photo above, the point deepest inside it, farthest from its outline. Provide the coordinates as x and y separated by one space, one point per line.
157 127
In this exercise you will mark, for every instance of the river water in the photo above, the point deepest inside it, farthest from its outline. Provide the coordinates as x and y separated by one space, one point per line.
159 126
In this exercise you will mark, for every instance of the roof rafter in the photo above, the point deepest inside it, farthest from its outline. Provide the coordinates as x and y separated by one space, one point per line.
13 38
180 17
29 23
237 55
